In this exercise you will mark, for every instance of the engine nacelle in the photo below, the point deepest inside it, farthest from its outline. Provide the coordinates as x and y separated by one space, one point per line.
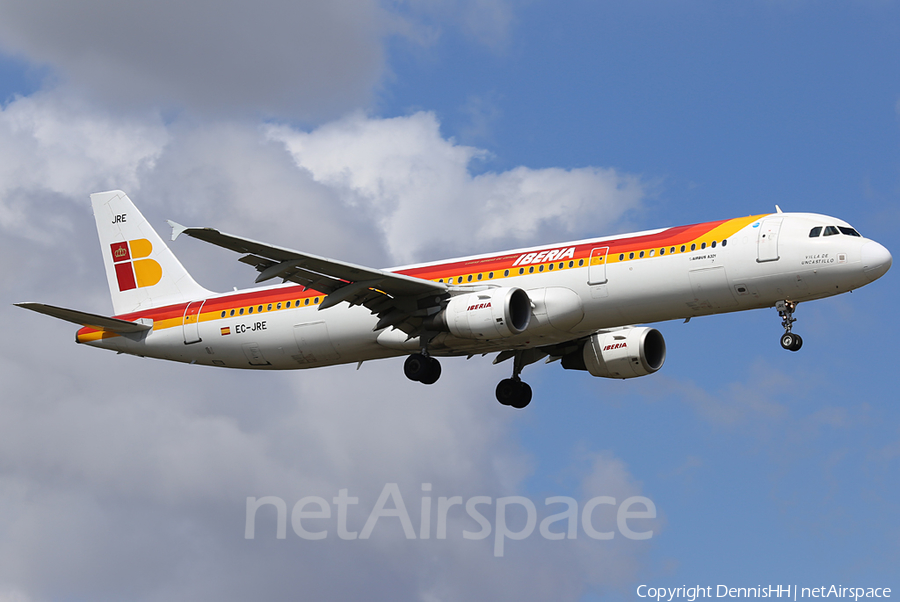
626 353
494 313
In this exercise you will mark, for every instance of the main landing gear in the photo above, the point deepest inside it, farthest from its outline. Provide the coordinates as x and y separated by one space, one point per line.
422 368
513 391
789 340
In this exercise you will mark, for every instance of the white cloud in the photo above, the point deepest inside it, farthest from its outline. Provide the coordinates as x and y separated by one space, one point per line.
418 187
54 145
123 477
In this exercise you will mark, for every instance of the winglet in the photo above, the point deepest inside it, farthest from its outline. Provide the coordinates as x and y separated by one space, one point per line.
177 229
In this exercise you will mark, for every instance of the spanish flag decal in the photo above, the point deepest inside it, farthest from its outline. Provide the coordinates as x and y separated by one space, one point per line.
133 269
226 330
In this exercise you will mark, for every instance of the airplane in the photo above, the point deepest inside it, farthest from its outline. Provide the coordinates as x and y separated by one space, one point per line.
576 302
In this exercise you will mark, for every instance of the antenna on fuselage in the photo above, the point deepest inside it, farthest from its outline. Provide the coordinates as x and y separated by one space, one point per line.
778 209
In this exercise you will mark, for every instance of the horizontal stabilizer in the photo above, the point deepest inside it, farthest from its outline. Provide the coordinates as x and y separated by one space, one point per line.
86 319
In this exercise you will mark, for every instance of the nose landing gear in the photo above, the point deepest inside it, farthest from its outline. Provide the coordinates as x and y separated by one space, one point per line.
789 340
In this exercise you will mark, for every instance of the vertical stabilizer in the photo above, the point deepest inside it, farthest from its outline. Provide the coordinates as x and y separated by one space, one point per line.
141 270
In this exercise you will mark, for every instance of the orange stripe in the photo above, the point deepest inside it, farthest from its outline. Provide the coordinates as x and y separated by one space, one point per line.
173 315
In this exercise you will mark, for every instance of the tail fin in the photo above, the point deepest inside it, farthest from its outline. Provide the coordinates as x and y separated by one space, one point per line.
141 270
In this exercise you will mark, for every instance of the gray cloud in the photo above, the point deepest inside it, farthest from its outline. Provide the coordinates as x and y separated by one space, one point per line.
299 59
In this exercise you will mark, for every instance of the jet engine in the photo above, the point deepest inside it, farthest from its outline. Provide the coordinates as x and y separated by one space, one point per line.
625 353
494 313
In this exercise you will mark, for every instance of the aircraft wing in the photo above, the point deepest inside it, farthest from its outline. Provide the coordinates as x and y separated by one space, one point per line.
86 319
398 300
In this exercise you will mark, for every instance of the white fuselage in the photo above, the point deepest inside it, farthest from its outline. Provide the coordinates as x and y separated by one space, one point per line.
765 259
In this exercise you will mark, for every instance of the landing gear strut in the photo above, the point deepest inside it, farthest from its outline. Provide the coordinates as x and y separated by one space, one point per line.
789 340
422 368
512 391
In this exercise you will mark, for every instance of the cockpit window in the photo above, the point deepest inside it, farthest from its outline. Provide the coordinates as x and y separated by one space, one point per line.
815 232
831 230
848 231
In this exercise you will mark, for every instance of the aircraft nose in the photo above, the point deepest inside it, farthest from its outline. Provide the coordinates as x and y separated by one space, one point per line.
876 260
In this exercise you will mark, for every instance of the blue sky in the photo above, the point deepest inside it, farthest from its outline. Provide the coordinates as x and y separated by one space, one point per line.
379 140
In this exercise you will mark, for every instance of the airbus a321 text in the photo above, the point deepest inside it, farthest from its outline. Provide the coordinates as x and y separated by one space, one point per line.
576 302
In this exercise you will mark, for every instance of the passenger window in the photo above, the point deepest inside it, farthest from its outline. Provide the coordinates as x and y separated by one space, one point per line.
831 231
724 241
815 232
703 245
505 273
682 248
693 246
251 309
713 245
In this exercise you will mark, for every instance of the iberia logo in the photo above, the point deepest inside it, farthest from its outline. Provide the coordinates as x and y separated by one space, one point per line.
133 270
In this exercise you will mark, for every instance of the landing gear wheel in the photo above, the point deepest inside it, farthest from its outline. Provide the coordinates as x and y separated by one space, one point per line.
422 368
506 391
524 397
416 366
791 341
787 340
513 392
433 373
